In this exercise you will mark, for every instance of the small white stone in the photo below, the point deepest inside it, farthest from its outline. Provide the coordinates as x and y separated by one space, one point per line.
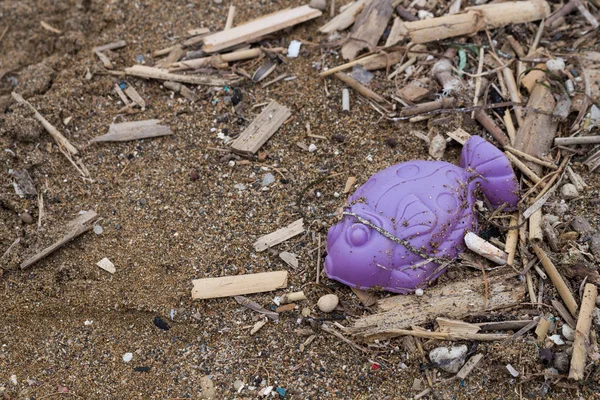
127 357
312 148
336 194
370 158
13 379
424 14
98 229
232 163
557 64
419 292
568 191
450 359
568 332
328 303
107 265
318 4
88 322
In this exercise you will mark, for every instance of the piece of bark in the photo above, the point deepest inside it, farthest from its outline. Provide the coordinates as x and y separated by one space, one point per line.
494 15
443 103
254 30
262 128
564 313
280 235
537 133
397 33
413 93
368 28
557 279
143 71
76 227
135 96
452 300
133 131
346 18
456 326
226 286
254 306
582 333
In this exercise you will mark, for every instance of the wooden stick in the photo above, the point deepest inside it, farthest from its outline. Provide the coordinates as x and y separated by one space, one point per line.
78 226
144 71
361 89
556 279
484 337
577 140
225 286
512 239
535 226
280 235
230 16
564 313
253 30
55 133
110 46
524 169
582 333
494 15
345 19
134 130
239 55
443 103
262 128
531 158
492 128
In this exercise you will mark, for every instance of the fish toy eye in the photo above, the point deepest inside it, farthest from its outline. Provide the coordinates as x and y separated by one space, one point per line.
358 235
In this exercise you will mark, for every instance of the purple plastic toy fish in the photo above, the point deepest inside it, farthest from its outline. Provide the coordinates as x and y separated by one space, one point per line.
427 205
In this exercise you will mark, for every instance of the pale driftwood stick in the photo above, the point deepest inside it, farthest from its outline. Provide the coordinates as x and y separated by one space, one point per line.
564 313
144 71
453 326
254 306
198 31
368 28
239 55
226 286
230 16
122 96
135 130
262 128
361 89
524 169
493 15
492 128
346 17
105 60
165 51
280 235
512 240
535 226
530 288
515 96
442 70
582 333
577 140
556 279
110 46
253 30
58 137
78 226
338 335
397 33
516 46
550 234
576 179
503 325
444 102
483 337
531 158
485 249
469 366
455 300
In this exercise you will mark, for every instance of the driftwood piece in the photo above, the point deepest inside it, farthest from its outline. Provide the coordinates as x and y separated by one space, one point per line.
397 33
452 300
262 128
280 235
143 71
346 18
110 46
413 93
582 333
254 306
443 103
253 30
538 130
135 130
569 141
225 286
495 15
368 28
76 227
289 258
361 89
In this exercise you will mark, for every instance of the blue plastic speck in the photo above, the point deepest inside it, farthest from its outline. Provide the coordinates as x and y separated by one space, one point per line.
281 391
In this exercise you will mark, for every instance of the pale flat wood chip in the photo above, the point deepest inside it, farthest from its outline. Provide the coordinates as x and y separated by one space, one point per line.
280 235
133 131
262 128
210 288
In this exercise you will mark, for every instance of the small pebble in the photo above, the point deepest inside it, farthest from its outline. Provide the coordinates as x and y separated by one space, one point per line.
419 292
127 357
161 323
268 179
318 4
557 64
328 303
561 362
450 359
568 332
237 385
13 379
98 229
568 191
26 218
312 148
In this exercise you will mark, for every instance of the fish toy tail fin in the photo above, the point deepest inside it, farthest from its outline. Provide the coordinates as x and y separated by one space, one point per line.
493 171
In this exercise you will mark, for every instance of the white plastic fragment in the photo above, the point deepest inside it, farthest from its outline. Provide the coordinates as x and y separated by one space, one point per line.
512 370
557 339
294 48
345 100
419 292
450 359
485 249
